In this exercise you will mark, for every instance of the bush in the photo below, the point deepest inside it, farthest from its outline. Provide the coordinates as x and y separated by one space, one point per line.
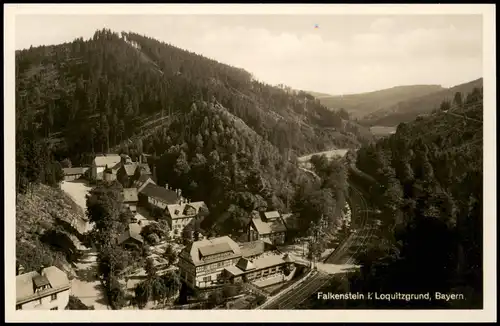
76 304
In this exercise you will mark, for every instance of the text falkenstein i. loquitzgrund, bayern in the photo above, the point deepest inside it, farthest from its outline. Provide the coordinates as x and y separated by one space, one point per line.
397 296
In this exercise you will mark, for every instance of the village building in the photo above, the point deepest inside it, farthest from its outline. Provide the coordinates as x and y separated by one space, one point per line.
109 175
130 198
132 236
253 249
211 263
269 266
185 213
202 263
129 172
46 289
75 173
157 198
268 226
102 162
142 182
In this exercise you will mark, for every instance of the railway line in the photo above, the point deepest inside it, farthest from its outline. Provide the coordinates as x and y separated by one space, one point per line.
319 279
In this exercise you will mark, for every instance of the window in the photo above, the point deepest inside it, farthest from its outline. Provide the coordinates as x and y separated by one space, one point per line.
53 297
55 308
207 278
19 307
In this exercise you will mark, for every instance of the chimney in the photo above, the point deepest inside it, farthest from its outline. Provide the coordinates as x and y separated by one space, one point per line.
40 269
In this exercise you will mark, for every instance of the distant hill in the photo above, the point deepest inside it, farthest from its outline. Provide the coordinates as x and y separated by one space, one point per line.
359 105
319 95
408 110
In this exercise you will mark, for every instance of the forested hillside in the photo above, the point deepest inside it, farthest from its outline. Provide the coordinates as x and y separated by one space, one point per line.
359 105
408 110
214 156
428 187
89 96
215 132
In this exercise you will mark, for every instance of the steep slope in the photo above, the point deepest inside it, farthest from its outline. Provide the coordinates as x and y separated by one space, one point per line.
428 189
408 110
49 227
88 96
359 105
214 156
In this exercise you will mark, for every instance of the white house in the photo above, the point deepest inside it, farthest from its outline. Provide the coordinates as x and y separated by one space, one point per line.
47 289
185 213
102 161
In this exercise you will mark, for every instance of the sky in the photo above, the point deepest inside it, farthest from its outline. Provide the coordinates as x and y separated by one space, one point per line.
345 54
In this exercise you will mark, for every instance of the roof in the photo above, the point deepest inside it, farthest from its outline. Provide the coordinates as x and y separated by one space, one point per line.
142 180
133 231
76 170
288 258
252 248
268 227
160 193
130 168
245 264
25 283
107 159
215 248
196 251
233 270
177 211
266 261
130 195
272 215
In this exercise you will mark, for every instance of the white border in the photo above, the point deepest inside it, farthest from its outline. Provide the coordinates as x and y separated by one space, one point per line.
489 68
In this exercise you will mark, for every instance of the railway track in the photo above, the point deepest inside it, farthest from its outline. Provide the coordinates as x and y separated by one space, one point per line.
320 279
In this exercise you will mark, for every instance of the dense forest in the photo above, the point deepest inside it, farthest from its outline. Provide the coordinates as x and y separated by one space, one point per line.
90 96
213 156
215 132
428 184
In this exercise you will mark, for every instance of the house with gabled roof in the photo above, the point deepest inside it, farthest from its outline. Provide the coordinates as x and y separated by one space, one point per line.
185 213
45 289
201 263
102 162
142 182
130 172
156 197
267 226
74 173
210 263
132 235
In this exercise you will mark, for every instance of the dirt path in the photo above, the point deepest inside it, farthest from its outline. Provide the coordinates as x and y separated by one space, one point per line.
86 286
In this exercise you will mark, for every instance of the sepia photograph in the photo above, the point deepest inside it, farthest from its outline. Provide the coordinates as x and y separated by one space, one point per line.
236 158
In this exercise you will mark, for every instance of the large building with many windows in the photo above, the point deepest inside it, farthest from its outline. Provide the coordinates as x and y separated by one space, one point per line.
209 263
46 289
